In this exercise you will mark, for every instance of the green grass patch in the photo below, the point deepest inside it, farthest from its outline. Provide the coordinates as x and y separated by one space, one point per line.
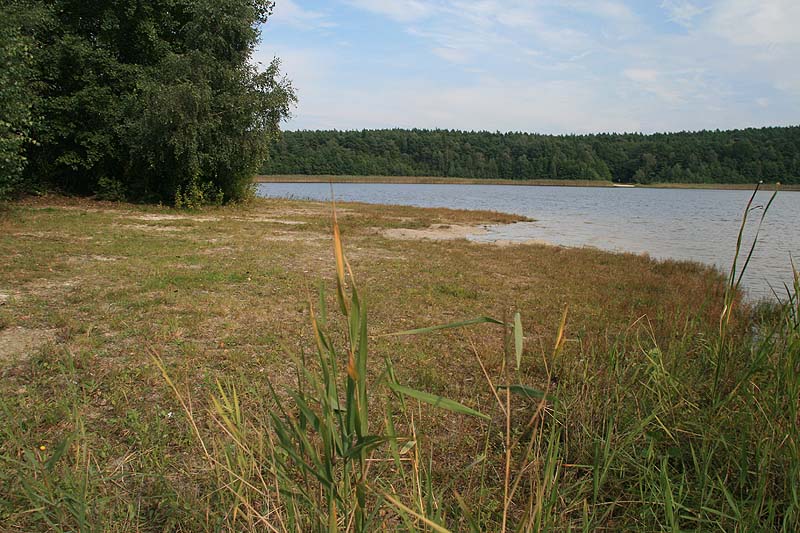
631 410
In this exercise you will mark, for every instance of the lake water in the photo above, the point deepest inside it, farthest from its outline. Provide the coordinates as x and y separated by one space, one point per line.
690 224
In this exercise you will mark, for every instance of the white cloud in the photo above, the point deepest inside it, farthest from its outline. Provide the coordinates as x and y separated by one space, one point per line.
399 10
736 52
462 45
503 29
641 75
312 72
514 14
682 12
545 107
487 104
288 13
788 82
757 22
672 88
452 54
554 66
608 9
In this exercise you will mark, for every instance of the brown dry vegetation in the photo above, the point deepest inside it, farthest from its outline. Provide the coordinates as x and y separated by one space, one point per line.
223 293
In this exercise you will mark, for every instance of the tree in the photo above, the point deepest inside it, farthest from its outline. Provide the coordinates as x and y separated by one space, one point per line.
706 156
16 98
155 100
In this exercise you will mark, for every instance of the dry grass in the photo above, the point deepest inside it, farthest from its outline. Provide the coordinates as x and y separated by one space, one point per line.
222 294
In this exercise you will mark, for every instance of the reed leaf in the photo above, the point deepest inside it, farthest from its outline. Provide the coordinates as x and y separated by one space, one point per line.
436 401
527 392
452 325
518 338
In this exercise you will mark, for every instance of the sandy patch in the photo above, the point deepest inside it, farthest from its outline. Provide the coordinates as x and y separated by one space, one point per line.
446 232
90 258
43 285
83 208
270 220
303 237
52 236
45 235
436 232
145 227
307 212
184 266
220 250
48 288
150 217
508 242
21 343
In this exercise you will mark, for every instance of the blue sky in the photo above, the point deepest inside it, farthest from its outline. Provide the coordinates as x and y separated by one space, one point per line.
569 66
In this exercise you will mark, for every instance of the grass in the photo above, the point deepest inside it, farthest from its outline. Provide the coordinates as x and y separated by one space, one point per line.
606 416
325 178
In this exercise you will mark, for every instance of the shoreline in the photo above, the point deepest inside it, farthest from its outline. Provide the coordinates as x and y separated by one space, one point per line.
99 300
433 180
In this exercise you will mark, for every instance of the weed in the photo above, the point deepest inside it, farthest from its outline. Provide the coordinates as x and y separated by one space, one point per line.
584 421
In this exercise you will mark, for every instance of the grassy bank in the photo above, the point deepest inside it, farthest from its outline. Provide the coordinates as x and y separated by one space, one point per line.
650 418
298 178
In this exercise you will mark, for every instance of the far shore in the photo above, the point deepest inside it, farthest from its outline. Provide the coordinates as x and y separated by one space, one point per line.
324 178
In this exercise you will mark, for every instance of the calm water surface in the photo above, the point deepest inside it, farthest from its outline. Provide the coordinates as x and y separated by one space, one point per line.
691 224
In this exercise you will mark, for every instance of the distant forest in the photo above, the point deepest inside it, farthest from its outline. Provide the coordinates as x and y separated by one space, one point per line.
737 156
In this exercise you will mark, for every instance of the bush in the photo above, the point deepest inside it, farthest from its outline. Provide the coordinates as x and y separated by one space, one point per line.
15 101
154 103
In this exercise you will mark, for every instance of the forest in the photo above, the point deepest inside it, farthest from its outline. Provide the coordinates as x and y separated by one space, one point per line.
736 156
148 101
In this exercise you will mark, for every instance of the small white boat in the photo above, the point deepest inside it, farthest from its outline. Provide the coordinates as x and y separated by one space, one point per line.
626 185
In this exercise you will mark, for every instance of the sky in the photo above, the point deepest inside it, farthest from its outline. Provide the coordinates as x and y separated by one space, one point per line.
546 66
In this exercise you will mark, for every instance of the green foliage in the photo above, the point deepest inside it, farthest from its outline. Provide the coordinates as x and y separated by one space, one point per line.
152 101
318 461
194 195
15 99
110 189
635 435
738 156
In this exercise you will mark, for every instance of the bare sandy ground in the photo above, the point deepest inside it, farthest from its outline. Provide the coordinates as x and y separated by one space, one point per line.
447 232
21 343
436 232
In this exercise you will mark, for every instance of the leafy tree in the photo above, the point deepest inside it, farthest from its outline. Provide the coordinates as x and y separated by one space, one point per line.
738 156
16 98
153 100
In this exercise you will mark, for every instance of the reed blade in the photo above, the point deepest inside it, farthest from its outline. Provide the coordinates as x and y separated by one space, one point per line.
437 401
452 325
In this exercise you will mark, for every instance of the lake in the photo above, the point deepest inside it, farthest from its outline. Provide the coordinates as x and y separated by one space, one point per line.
688 224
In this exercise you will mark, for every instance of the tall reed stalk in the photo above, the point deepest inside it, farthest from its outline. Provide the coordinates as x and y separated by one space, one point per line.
636 438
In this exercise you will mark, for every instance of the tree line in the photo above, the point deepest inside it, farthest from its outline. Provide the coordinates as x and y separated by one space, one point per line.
737 156
153 100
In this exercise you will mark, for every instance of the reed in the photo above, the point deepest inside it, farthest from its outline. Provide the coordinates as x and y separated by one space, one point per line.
667 448
695 431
